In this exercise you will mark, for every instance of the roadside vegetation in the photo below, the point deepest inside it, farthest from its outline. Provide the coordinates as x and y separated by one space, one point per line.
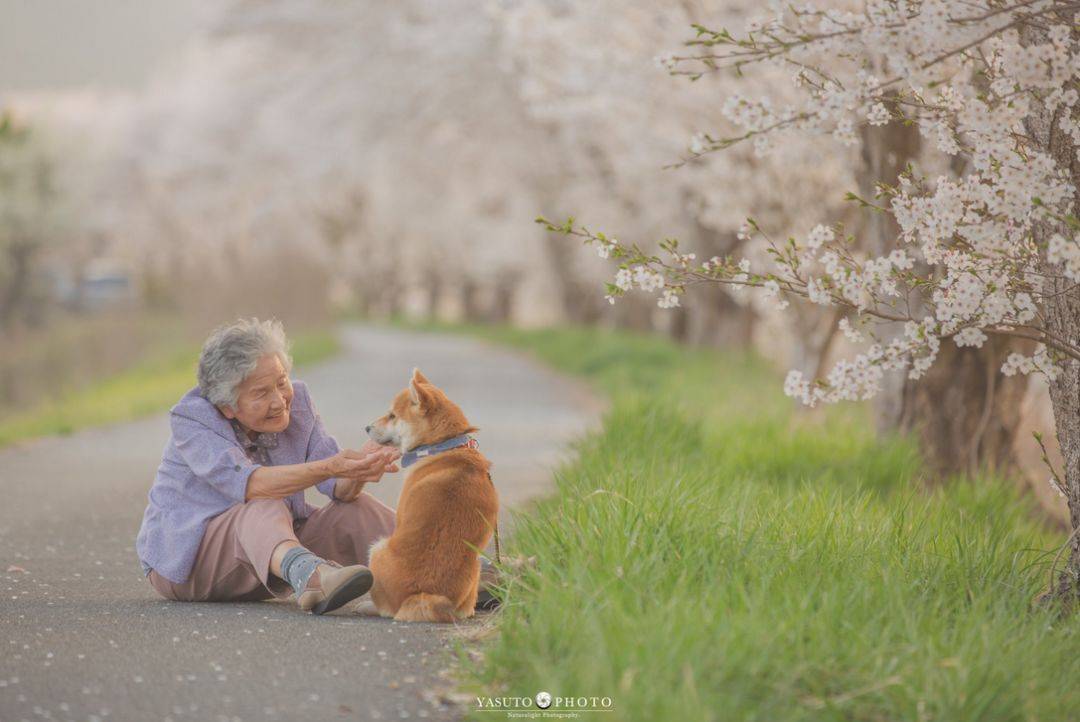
711 555
150 385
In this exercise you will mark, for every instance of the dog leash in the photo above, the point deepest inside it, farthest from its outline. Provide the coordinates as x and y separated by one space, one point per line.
498 555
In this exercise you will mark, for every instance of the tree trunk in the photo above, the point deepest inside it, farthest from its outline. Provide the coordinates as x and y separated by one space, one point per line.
502 310
433 282
1063 315
964 414
678 327
635 312
13 298
1061 309
470 304
716 319
580 299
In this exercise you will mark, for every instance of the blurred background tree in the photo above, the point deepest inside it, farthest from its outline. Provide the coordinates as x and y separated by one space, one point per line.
29 220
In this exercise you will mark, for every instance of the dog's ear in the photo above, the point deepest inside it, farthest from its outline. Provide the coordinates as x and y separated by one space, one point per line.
419 393
419 378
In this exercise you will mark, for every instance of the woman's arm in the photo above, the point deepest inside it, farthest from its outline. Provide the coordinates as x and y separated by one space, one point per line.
278 482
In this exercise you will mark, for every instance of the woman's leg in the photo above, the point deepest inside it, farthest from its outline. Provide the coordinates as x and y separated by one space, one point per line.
344 531
235 557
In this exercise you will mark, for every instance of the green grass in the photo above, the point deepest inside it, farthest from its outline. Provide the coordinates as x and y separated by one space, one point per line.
151 385
711 555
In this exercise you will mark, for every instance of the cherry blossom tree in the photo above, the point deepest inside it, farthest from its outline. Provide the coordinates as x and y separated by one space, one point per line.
577 61
582 71
990 252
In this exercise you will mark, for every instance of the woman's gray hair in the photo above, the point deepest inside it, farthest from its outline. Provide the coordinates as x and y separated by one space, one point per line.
231 353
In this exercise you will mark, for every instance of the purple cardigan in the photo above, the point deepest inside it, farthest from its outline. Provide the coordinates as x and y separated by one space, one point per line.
204 471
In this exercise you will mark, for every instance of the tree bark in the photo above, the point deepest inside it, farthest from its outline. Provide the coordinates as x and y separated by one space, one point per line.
433 289
1063 315
502 310
716 319
1061 310
581 303
19 256
964 414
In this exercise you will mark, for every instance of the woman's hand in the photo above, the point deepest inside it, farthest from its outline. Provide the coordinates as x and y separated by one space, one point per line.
353 469
363 465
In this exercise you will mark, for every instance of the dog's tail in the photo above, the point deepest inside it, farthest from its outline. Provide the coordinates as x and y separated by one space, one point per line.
426 608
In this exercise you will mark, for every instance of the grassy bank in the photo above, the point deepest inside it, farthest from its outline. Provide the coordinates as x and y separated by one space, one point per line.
151 385
710 555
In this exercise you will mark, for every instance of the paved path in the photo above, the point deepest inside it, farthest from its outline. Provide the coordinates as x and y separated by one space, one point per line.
85 638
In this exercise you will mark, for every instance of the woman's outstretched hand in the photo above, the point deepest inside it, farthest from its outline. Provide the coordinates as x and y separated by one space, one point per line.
352 469
355 468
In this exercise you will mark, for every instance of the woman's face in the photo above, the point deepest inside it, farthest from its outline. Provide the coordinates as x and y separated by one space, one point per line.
264 397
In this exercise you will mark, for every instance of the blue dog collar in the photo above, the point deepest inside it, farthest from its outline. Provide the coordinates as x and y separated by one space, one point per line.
411 457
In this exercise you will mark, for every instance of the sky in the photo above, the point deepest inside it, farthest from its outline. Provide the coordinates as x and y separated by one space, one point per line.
105 44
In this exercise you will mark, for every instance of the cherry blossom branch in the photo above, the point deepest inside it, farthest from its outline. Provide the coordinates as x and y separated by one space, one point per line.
674 277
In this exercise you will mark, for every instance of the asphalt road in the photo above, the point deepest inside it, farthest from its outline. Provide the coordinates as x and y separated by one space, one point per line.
86 638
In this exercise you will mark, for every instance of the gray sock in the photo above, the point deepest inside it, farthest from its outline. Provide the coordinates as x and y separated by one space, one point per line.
298 566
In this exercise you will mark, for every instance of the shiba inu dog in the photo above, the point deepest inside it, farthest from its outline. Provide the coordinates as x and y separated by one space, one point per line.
429 568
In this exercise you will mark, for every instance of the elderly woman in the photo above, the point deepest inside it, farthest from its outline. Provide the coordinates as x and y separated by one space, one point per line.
227 518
